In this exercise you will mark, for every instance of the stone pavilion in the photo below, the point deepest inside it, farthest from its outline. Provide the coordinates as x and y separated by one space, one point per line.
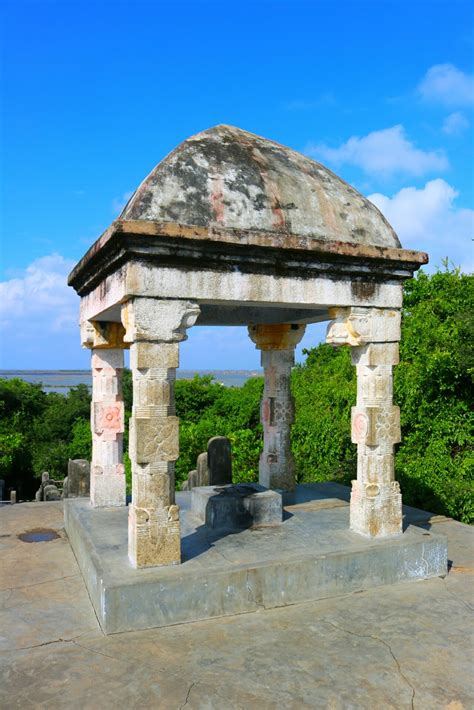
234 229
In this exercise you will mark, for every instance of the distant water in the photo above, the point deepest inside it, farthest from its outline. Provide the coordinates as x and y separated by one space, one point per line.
62 380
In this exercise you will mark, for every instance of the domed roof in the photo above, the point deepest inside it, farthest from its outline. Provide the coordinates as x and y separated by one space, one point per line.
228 178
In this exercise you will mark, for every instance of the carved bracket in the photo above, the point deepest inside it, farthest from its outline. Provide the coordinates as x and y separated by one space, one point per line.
357 326
152 319
103 335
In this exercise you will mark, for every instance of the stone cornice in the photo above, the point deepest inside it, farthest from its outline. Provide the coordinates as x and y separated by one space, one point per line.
253 252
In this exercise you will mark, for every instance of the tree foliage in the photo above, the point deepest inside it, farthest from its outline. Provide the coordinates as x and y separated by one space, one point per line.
324 389
434 389
37 431
223 411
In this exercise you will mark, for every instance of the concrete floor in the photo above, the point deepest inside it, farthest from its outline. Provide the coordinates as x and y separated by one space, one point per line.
405 646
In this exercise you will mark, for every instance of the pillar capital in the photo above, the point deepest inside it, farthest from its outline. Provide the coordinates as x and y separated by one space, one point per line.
103 335
357 326
279 336
157 320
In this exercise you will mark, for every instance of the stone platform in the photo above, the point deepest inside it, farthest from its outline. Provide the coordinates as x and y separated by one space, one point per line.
311 556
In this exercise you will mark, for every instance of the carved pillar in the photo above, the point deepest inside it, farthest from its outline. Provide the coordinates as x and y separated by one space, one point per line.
154 328
107 485
376 503
277 343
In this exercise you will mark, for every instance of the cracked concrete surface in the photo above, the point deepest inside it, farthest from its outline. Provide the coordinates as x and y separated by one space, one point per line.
387 645
404 646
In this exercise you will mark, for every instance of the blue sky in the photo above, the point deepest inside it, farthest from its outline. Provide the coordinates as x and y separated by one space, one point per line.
96 94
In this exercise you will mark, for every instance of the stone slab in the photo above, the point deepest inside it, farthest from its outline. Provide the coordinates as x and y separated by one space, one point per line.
247 505
312 555
219 461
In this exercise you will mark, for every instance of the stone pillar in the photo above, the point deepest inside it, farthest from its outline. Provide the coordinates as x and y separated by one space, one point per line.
376 503
277 343
154 328
107 483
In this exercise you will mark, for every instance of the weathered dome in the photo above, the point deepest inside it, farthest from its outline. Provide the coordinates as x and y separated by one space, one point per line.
231 179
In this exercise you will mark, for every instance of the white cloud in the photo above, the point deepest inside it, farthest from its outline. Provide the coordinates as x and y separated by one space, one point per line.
455 124
384 153
39 299
428 219
448 85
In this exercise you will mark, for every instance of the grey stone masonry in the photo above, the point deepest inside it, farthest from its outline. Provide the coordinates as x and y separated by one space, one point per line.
51 492
311 555
245 505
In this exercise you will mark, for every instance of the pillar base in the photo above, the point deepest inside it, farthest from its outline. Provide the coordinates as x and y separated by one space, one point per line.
154 537
376 510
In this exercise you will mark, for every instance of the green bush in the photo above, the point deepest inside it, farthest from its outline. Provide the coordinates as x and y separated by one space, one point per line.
324 389
231 412
434 389
39 432
80 446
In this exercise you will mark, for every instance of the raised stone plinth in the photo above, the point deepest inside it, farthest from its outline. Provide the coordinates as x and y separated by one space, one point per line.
244 505
310 556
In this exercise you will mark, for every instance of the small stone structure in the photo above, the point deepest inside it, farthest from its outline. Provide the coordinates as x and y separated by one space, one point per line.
77 482
48 490
75 485
244 505
202 470
233 229
213 467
